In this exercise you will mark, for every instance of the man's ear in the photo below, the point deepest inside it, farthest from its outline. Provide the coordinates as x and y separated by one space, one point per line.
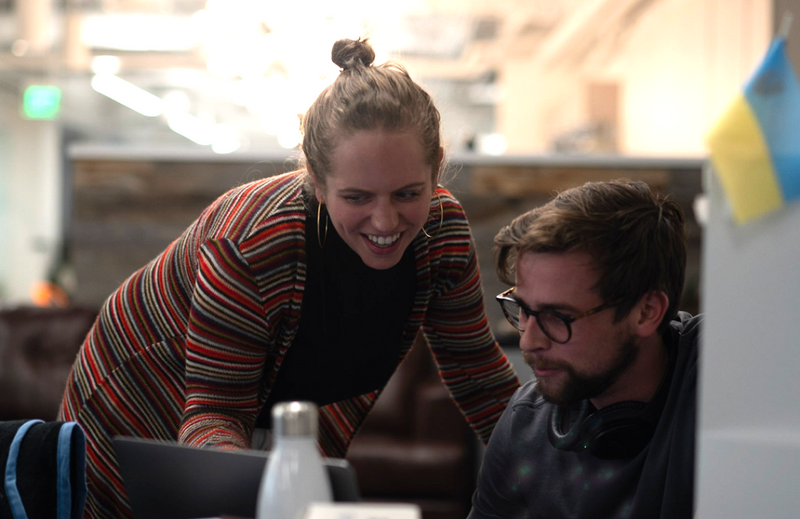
649 312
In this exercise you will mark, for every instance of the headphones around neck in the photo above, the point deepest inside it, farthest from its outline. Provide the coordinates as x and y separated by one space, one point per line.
617 431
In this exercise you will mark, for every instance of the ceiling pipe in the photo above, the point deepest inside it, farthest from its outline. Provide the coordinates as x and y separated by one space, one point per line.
34 20
77 56
581 27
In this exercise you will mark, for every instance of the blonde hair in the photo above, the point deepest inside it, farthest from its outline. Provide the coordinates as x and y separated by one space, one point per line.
366 97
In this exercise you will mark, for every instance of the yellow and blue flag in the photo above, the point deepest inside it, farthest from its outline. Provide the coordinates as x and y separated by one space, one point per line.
755 146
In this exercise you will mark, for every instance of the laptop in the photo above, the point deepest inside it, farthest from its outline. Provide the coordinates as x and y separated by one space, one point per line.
167 480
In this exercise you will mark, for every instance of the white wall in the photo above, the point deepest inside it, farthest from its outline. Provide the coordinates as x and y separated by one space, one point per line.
30 198
684 62
5 215
677 67
749 420
30 166
7 101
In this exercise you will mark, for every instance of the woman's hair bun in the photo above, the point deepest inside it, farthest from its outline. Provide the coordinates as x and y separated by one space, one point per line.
348 54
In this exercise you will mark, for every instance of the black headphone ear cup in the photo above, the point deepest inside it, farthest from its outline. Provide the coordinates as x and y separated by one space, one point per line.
616 431
567 440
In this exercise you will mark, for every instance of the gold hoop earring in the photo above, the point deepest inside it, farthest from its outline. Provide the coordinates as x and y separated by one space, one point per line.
441 218
321 239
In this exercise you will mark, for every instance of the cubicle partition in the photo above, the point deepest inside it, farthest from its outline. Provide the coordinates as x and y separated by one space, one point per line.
128 205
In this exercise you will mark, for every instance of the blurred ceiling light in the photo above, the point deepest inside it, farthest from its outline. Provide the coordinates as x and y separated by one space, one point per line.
257 56
238 93
191 127
281 73
138 32
290 137
225 139
267 97
176 101
201 23
492 143
271 125
127 94
19 48
222 65
279 120
105 65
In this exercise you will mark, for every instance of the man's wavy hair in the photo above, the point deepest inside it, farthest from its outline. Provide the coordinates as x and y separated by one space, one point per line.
635 236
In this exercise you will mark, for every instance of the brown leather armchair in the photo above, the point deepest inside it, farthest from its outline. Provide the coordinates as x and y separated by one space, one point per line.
416 446
37 349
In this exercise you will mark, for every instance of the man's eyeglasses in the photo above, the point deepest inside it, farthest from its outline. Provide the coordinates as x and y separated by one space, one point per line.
554 325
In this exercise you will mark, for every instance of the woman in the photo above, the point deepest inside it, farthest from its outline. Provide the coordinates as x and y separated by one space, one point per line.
309 285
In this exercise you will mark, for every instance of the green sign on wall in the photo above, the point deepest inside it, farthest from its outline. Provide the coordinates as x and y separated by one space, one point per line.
41 102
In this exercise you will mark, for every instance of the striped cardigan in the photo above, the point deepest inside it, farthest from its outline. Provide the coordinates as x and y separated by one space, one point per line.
190 345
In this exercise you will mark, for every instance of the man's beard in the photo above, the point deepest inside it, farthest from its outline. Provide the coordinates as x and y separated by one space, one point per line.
580 387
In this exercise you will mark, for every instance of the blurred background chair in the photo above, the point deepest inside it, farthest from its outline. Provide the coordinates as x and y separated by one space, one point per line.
416 446
37 348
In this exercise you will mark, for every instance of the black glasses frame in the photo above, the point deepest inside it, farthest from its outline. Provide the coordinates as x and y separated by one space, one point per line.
566 319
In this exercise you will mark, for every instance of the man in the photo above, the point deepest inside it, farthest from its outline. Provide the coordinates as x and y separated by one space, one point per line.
607 428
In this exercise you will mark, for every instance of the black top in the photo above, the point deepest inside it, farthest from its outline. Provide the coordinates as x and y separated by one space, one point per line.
351 325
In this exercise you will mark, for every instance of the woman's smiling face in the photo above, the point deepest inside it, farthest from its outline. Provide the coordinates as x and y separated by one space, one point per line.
378 194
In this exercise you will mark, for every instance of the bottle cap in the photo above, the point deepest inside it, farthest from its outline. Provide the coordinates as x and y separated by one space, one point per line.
293 419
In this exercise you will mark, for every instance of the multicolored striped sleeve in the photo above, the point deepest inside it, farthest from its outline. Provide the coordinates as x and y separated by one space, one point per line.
225 350
471 363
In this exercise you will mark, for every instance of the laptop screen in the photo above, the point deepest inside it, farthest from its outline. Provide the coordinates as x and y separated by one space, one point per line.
167 480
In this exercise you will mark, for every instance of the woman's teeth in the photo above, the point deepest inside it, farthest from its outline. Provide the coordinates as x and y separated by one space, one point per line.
383 241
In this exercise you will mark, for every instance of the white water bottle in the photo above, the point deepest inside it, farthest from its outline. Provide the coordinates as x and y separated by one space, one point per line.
294 476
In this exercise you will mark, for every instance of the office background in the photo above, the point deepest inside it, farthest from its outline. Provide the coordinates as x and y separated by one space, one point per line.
520 84
536 96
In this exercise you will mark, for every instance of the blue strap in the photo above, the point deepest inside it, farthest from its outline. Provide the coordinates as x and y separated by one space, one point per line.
78 463
63 469
14 499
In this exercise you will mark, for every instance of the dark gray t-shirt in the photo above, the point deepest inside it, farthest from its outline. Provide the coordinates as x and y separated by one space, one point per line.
524 476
